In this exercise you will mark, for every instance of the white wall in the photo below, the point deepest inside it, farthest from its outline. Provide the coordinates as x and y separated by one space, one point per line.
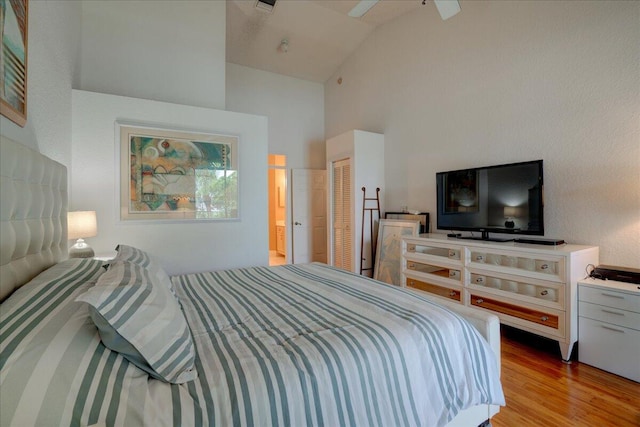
181 246
508 81
171 51
137 49
53 40
295 109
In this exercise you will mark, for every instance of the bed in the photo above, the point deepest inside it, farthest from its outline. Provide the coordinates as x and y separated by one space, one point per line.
289 345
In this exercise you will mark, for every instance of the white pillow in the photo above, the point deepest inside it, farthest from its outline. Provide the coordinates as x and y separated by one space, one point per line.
143 259
142 322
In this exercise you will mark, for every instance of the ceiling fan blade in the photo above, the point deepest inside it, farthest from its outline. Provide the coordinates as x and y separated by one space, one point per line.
447 8
361 8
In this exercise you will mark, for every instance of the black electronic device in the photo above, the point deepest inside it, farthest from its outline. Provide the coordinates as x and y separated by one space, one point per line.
548 242
620 274
504 199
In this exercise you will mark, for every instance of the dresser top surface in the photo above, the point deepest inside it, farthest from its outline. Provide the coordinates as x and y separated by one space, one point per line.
559 249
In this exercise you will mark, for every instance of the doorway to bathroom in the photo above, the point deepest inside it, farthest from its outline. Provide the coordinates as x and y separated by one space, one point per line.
277 171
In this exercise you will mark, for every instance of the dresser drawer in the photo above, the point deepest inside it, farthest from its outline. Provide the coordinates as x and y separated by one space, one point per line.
540 317
549 267
533 291
611 348
445 272
452 253
610 298
442 291
627 319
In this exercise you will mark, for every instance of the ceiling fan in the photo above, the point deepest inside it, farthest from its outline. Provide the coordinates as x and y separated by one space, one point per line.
447 8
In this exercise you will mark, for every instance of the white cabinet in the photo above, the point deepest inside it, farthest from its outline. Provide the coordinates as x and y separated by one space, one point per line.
355 160
609 326
530 287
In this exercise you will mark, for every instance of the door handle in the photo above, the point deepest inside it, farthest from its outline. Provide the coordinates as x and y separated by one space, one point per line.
297 223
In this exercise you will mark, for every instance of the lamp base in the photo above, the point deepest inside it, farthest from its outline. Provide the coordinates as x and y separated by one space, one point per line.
81 250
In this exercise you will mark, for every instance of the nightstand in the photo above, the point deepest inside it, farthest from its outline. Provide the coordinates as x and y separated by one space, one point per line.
609 326
105 256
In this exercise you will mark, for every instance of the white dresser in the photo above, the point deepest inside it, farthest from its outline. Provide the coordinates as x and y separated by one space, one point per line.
609 326
530 287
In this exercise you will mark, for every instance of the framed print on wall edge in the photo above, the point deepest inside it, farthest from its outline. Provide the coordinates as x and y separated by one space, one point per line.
14 27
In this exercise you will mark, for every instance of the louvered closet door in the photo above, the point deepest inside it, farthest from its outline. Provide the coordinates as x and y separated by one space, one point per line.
342 221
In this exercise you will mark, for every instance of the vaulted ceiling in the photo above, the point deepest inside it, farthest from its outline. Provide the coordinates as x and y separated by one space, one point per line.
320 35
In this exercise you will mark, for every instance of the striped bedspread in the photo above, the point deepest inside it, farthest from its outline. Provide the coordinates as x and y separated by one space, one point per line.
293 345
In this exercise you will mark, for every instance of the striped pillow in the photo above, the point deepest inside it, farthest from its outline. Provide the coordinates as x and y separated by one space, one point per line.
142 322
143 259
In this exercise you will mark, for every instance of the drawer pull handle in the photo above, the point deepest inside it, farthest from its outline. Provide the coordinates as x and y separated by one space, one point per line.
544 266
612 295
545 292
479 301
544 318
612 329
612 312
452 293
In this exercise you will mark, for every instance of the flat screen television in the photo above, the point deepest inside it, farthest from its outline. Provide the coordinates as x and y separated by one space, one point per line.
499 199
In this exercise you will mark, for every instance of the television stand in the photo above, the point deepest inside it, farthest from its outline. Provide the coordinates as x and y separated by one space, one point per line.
485 237
533 288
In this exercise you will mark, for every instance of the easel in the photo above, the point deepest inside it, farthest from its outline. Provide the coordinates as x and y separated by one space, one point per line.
371 211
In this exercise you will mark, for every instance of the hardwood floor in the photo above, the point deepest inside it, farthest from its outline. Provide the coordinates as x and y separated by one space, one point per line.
276 259
540 390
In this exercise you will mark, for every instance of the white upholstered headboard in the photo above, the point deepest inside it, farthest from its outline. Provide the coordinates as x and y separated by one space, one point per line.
33 214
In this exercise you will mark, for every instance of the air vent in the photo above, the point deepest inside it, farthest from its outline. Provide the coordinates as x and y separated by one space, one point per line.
266 5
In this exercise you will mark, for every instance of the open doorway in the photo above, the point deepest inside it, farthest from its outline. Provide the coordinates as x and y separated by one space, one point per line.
277 171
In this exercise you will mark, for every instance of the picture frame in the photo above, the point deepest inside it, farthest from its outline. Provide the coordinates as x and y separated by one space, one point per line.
170 174
423 217
14 27
387 267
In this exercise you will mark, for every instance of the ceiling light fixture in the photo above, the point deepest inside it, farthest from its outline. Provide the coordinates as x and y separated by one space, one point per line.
265 5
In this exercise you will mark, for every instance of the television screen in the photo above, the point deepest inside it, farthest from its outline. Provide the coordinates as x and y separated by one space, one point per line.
502 199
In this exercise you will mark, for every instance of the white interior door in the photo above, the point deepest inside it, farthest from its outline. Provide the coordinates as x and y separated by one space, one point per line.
309 215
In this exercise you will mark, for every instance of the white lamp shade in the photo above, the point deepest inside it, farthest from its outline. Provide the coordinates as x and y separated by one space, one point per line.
81 224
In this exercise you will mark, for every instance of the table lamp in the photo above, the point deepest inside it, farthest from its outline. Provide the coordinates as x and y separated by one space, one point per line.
510 212
81 224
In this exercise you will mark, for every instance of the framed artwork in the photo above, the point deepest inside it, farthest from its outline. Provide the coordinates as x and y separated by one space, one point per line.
389 248
177 175
423 217
13 60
